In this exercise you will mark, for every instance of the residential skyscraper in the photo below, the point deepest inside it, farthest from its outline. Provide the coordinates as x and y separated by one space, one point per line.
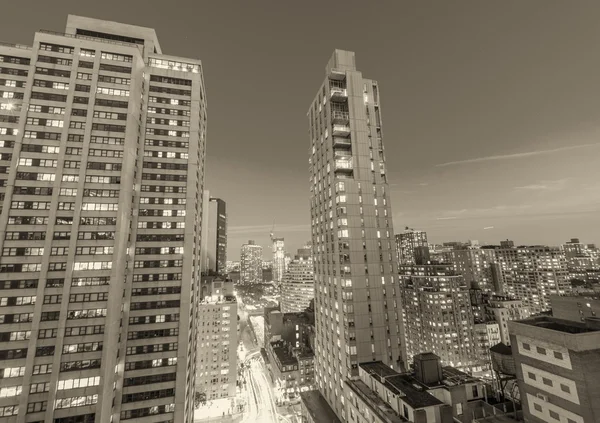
475 264
251 263
214 238
298 286
103 145
407 242
532 274
437 314
357 304
278 259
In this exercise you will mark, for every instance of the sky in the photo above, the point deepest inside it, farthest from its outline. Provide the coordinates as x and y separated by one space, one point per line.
490 110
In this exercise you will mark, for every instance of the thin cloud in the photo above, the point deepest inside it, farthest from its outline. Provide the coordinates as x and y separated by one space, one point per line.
517 155
446 218
556 185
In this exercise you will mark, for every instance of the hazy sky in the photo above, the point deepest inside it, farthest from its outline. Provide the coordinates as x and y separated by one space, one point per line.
491 110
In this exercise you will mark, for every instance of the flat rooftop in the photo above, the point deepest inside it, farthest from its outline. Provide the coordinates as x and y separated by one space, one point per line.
378 406
559 325
405 385
316 405
284 357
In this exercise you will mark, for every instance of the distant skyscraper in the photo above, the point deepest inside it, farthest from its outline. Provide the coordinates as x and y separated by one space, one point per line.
251 263
102 154
437 314
216 372
298 286
358 315
407 242
214 236
278 259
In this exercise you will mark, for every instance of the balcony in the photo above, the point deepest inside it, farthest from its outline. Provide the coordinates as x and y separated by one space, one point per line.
342 142
343 165
340 130
338 93
338 116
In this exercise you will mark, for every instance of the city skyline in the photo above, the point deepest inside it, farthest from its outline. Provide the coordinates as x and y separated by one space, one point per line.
464 156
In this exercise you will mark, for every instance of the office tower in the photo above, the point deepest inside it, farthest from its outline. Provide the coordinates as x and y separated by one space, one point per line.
475 264
278 259
103 141
298 286
216 368
558 368
437 314
214 235
407 242
251 263
532 274
356 293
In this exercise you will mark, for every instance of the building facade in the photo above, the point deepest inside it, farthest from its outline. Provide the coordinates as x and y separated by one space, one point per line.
102 154
475 264
357 307
503 309
532 274
558 369
216 368
437 314
408 244
298 285
251 263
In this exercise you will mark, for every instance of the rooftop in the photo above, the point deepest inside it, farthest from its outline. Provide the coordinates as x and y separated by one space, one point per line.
284 357
378 406
316 405
560 325
412 392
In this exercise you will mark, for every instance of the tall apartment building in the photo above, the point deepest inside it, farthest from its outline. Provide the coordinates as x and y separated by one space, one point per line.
214 235
298 286
408 245
558 369
476 266
251 263
437 314
583 260
103 141
278 259
532 274
216 365
357 304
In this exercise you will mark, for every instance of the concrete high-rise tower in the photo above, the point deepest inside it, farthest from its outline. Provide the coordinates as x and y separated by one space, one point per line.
214 235
298 285
357 301
278 259
408 243
102 141
251 261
